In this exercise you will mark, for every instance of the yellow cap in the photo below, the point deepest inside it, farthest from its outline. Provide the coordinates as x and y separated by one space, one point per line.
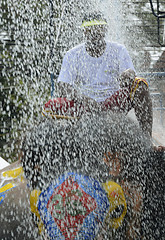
118 206
93 23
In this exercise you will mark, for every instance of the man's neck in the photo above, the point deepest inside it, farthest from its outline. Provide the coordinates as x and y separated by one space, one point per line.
95 48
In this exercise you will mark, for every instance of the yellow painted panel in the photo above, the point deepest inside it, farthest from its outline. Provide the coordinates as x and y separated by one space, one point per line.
14 173
6 187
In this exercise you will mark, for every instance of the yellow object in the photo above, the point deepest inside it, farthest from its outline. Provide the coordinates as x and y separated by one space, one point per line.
13 177
6 187
48 113
118 206
34 208
14 173
135 86
93 23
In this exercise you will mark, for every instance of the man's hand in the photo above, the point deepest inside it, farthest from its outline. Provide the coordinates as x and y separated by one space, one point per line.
65 90
91 105
126 78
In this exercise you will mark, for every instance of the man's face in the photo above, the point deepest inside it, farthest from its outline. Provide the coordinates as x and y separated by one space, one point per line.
95 33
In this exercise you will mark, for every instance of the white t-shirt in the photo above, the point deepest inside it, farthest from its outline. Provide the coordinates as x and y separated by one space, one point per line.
95 77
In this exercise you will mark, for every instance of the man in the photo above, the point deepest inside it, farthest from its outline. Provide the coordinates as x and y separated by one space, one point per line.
90 75
93 67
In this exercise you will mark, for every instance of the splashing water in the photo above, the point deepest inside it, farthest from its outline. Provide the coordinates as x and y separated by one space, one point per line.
91 147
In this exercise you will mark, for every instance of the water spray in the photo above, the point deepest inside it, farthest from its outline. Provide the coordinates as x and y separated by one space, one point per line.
54 43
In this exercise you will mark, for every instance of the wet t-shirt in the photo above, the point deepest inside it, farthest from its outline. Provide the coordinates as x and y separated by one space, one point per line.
94 77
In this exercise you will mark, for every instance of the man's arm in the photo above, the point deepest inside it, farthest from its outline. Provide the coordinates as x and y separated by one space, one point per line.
65 90
143 108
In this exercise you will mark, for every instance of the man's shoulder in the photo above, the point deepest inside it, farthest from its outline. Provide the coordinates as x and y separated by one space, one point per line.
76 49
115 45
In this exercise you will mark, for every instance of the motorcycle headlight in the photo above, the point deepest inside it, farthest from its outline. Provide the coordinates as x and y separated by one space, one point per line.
118 206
